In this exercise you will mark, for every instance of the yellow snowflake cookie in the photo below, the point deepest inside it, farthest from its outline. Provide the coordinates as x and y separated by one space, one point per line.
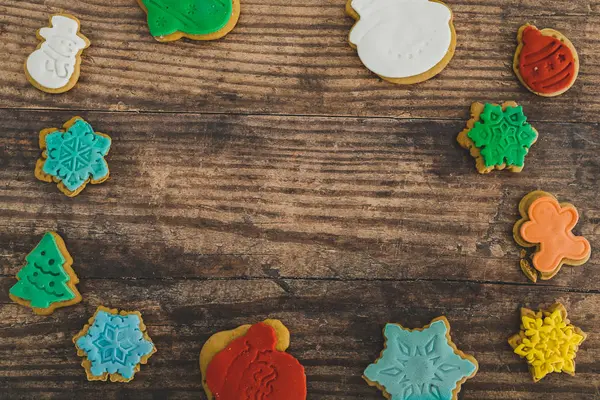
547 341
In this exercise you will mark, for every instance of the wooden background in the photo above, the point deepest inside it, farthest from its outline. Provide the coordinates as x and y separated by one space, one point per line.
269 174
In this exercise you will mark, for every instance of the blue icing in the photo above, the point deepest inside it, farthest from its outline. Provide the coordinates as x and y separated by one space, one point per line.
419 365
76 155
115 344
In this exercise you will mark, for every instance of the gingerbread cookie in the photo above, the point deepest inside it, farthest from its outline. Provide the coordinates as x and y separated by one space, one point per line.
73 156
420 363
170 20
545 62
547 341
250 362
47 281
403 42
54 65
547 225
113 344
498 137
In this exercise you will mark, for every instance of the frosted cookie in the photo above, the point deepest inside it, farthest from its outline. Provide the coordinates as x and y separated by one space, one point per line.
547 341
403 41
250 362
47 281
73 157
547 225
54 65
113 344
420 364
545 62
498 137
170 20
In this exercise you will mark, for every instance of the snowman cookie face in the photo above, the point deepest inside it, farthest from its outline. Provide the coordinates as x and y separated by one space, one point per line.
54 66
403 41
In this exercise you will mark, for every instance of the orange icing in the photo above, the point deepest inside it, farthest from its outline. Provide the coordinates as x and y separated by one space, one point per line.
550 227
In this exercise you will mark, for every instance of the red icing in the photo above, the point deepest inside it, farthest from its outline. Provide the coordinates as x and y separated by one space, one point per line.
250 368
546 64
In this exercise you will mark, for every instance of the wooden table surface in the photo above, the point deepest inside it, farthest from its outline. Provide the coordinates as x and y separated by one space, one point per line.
269 174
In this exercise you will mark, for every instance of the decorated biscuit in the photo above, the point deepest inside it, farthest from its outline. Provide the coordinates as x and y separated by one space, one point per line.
73 157
250 362
54 66
170 20
420 364
47 281
403 42
547 341
113 345
545 62
547 225
498 137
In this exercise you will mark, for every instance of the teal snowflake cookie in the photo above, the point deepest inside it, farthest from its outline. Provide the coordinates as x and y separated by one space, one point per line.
114 344
73 157
498 136
420 364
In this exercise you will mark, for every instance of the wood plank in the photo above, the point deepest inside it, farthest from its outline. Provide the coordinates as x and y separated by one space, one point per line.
199 196
336 333
293 58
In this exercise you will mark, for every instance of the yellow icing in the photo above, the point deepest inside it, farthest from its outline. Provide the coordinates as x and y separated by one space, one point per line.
549 343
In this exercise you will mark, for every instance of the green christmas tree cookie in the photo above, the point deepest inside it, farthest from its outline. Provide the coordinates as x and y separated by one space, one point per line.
170 20
47 281
498 137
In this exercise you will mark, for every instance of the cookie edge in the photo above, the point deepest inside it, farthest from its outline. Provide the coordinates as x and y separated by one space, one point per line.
231 24
39 165
424 76
546 32
458 352
76 71
87 364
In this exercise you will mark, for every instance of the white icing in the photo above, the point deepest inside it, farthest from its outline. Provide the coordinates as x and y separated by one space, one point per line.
52 65
401 38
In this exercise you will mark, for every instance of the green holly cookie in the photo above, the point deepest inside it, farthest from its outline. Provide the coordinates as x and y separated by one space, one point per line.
195 19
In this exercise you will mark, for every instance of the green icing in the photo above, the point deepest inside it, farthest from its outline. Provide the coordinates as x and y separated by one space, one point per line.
194 17
43 281
503 137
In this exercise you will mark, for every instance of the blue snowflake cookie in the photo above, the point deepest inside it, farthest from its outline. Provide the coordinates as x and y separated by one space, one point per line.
114 344
73 157
420 364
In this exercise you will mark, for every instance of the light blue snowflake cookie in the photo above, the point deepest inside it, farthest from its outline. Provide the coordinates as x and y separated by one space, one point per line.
73 157
114 344
420 364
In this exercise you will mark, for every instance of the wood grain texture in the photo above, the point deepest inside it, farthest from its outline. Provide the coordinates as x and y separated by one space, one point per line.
294 58
335 325
269 196
269 174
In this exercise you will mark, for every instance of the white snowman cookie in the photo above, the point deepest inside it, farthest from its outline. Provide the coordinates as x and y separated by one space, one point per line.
54 66
403 41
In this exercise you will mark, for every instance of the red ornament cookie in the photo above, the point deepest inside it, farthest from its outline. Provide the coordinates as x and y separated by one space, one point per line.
250 362
545 62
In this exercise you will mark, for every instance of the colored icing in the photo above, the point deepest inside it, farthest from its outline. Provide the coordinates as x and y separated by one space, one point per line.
75 156
550 226
503 136
548 342
53 63
43 280
419 364
194 17
546 64
251 368
114 344
401 38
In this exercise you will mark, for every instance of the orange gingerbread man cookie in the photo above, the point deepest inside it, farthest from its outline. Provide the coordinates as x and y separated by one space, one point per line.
547 225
